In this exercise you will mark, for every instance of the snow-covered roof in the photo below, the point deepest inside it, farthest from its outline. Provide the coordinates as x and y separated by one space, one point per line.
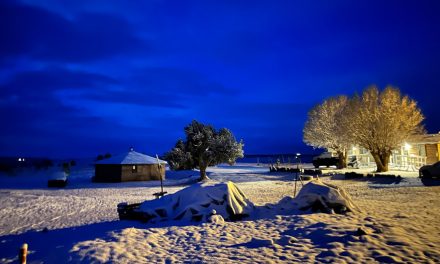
425 139
129 158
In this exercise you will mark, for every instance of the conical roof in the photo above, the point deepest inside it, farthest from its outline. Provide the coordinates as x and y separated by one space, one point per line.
131 158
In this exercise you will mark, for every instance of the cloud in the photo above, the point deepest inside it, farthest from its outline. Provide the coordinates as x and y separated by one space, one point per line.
169 89
44 35
107 73
56 106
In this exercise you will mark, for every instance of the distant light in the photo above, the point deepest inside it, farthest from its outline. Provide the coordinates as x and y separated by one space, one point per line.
298 154
19 159
407 146
354 148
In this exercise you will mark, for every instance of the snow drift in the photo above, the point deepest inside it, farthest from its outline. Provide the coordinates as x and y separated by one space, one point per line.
195 203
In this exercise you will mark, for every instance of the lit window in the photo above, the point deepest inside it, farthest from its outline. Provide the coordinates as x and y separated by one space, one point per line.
134 169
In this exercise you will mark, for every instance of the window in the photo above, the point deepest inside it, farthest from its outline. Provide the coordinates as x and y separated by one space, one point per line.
134 169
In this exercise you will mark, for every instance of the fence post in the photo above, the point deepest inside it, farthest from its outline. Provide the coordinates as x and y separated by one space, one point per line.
23 253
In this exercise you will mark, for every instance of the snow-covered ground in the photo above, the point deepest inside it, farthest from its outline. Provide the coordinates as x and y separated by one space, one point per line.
80 223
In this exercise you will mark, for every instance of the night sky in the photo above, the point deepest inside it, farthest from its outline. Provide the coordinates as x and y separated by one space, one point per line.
79 78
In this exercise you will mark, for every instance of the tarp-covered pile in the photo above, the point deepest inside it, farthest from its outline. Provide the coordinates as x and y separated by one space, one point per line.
324 197
196 203
201 201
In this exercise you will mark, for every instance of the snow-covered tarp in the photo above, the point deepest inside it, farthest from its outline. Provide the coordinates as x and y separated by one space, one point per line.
198 202
319 196
201 201
58 175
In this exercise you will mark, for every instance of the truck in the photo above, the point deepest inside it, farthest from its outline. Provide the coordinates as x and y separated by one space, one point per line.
326 159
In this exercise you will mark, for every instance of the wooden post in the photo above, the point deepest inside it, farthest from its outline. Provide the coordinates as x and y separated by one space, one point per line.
23 253
296 179
159 166
298 171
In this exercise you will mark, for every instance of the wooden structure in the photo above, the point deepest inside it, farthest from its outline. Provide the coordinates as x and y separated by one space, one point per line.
428 145
418 150
129 166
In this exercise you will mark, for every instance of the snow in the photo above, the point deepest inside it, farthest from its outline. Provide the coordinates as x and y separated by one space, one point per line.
329 197
130 158
79 224
59 175
198 201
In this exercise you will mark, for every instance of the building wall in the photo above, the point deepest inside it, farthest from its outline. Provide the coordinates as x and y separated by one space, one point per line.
107 173
438 152
417 149
142 173
432 153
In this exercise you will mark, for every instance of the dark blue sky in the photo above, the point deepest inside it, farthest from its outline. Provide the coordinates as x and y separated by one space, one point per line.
78 78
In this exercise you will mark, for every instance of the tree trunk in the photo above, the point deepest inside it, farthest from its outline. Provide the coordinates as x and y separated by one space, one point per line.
385 160
378 162
382 161
342 155
203 176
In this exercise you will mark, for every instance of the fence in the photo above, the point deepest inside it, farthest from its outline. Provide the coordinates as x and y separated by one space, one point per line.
400 162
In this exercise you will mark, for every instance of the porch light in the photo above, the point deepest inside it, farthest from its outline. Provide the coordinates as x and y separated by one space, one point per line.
407 146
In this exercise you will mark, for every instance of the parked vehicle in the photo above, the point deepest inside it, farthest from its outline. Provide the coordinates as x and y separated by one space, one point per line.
57 179
430 171
326 159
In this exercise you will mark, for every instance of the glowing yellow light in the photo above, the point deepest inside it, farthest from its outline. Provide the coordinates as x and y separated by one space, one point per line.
407 146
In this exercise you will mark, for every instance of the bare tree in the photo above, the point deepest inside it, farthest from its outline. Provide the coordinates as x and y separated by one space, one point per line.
381 121
323 127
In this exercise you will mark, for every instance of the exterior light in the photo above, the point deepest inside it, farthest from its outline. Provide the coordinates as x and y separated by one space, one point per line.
407 146
354 148
19 159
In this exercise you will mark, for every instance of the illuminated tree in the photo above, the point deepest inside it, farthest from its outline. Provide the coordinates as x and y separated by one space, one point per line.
204 146
381 121
323 127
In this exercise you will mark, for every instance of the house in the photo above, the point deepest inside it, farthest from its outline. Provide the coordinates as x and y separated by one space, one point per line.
129 166
427 145
417 151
